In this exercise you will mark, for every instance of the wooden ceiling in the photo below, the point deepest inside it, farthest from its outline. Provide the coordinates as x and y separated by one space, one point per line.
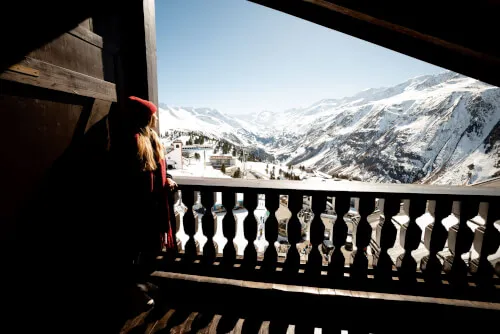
462 36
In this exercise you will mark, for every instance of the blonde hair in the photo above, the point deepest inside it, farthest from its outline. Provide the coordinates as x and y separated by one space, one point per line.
149 147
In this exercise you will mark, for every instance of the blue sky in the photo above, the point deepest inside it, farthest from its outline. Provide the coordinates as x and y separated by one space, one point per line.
239 57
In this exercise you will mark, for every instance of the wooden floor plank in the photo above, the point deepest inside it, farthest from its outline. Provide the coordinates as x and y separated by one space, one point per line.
185 327
161 323
202 323
134 323
264 328
238 328
212 328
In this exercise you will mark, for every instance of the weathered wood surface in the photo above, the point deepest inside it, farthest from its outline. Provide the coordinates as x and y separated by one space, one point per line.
85 34
328 291
73 53
150 43
37 137
87 24
100 109
191 304
61 79
24 70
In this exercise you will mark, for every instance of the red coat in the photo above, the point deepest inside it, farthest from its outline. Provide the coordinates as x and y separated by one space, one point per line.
144 205
167 238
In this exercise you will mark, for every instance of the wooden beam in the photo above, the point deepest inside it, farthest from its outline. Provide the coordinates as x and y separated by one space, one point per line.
322 291
61 79
403 30
392 26
24 70
88 36
150 41
92 38
100 109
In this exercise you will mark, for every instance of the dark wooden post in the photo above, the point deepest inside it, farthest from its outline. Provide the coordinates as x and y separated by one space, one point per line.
362 233
410 236
460 239
434 240
386 237
486 242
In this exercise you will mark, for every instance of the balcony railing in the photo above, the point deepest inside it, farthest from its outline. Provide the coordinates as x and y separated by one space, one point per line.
277 250
438 243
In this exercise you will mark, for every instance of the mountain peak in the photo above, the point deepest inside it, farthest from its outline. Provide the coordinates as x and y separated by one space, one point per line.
377 134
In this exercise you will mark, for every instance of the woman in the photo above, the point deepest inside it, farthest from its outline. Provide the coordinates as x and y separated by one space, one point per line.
144 188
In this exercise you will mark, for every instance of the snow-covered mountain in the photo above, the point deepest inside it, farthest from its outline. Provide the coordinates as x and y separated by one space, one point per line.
209 121
441 128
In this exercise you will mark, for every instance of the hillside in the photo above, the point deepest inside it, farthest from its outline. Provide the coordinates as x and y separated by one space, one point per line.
442 129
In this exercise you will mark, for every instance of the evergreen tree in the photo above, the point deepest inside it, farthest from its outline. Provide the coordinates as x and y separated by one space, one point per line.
197 156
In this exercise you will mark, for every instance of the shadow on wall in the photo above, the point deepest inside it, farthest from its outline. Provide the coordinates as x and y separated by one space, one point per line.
68 240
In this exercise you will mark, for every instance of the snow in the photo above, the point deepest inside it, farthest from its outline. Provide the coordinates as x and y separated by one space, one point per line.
434 125
198 169
484 168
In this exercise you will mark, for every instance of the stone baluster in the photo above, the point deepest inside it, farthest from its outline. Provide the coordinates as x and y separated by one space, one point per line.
180 234
208 225
294 228
271 231
385 239
460 238
229 228
339 236
189 222
434 240
410 236
316 236
362 234
250 225
199 237
486 242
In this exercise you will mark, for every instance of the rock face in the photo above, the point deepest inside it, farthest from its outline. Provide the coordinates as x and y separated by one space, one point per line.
441 129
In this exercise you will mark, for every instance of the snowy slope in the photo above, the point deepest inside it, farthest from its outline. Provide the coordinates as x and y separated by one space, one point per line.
435 129
419 129
205 120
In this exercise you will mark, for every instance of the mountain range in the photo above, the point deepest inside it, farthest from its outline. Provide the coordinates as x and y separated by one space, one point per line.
442 129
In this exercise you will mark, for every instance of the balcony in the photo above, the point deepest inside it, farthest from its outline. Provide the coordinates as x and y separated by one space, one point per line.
423 258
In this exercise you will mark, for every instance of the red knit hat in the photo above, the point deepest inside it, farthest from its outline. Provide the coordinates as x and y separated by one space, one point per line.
150 106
